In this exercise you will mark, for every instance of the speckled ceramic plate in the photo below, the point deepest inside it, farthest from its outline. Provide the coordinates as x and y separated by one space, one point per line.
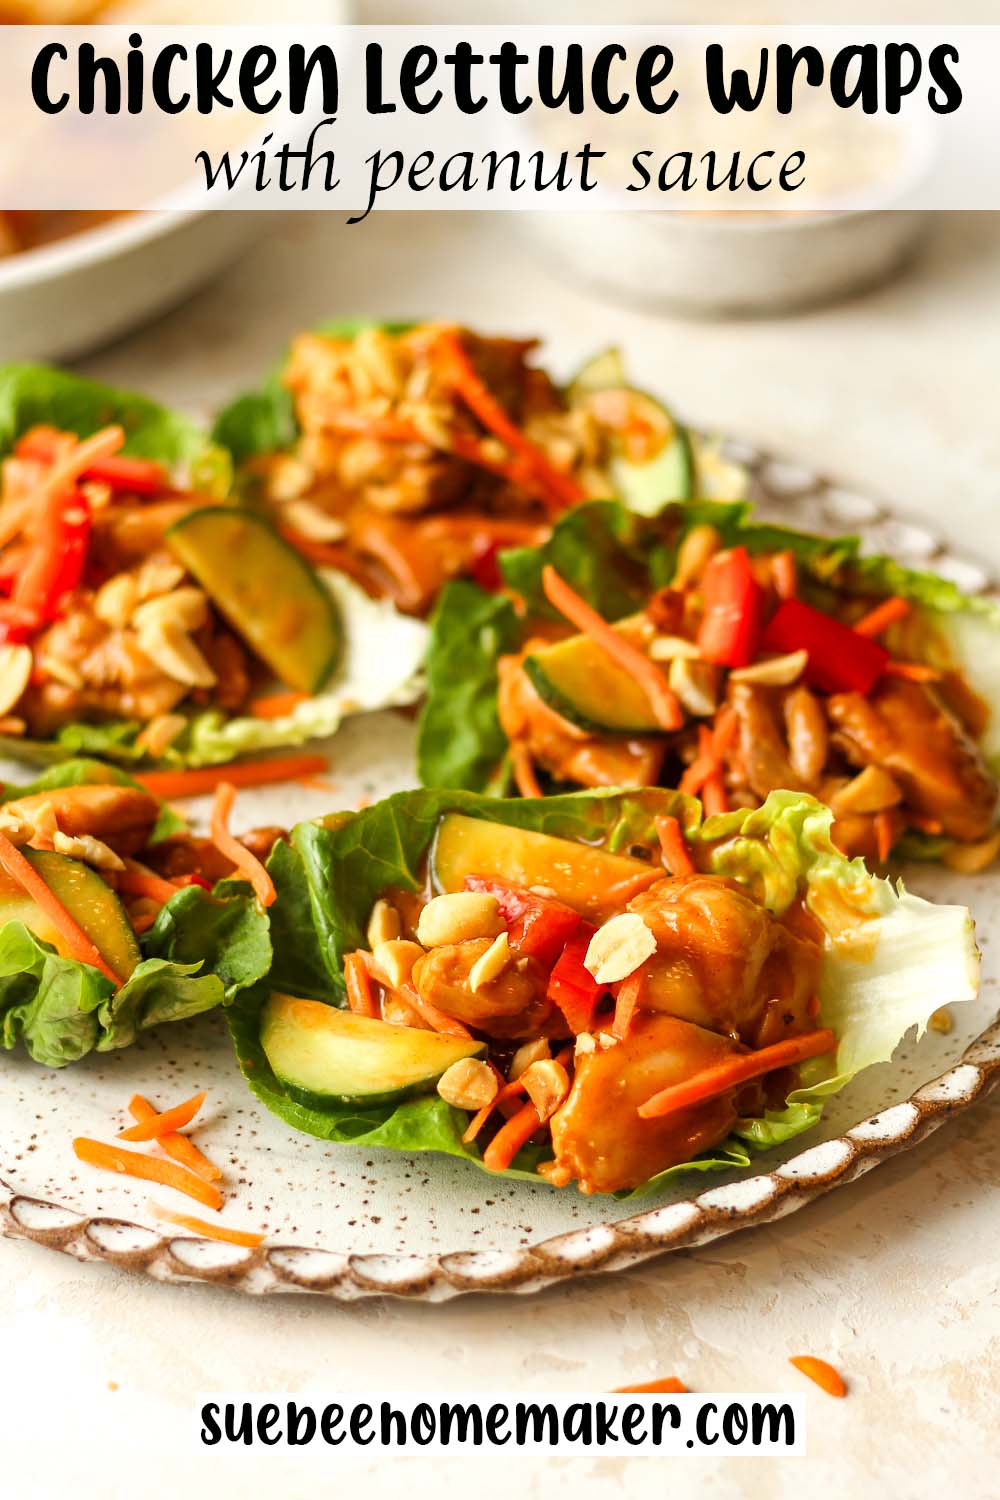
347 1223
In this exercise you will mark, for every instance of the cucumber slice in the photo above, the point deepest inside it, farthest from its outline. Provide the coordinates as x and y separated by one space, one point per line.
88 899
579 681
266 591
590 880
668 474
325 1057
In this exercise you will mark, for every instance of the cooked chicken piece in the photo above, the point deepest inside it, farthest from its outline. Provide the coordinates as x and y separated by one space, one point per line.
904 727
569 753
120 816
597 1135
511 1005
761 752
724 962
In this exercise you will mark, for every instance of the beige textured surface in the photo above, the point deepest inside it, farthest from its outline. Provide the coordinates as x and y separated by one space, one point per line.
895 1278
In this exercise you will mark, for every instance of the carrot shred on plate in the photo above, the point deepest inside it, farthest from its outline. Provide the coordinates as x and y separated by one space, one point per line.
166 1123
360 995
821 1373
509 1139
168 784
246 1237
784 574
230 847
276 705
180 1147
524 771
77 942
882 616
645 672
148 1168
668 1383
736 1071
676 855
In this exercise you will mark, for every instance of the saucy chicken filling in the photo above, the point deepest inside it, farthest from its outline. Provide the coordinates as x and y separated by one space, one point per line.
731 685
626 1029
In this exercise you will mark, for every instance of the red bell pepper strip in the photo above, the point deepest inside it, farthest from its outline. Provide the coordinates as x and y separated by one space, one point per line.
537 926
140 476
730 629
572 987
840 660
55 564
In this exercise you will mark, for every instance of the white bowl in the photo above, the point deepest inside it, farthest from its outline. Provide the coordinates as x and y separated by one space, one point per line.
730 264
65 299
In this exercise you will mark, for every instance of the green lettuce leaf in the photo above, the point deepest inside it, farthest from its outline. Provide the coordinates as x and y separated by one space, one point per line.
890 958
33 394
460 741
203 951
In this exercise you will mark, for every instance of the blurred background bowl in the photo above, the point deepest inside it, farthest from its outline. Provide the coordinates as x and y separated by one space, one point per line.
64 299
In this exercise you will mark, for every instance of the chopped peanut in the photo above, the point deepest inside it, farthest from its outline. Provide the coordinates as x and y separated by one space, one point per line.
530 1052
458 917
383 924
700 544
696 685
314 524
941 1021
774 671
546 1085
672 647
872 790
394 960
15 671
491 964
971 858
88 849
469 1084
619 947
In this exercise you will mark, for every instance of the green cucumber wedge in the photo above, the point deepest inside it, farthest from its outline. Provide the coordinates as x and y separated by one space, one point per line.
580 682
325 1057
267 592
668 474
89 900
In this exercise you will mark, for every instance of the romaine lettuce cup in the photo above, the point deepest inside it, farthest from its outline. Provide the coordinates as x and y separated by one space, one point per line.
113 917
146 615
445 963
787 660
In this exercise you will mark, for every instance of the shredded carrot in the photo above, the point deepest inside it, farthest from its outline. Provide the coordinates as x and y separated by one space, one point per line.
360 995
627 1003
78 944
438 1020
248 864
211 1231
736 1071
785 575
168 784
149 1168
882 616
676 855
524 770
136 880
713 795
166 1123
884 835
180 1147
508 1092
143 923
712 746
668 1383
276 705
824 1375
640 668
462 374
912 671
509 1139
